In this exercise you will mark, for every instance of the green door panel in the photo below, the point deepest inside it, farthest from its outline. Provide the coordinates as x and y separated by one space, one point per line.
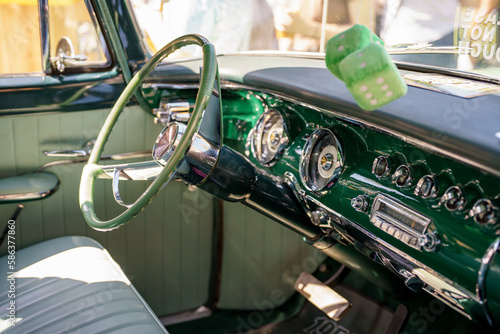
165 255
261 260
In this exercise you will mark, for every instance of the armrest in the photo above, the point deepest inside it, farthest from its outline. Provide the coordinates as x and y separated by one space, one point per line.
27 187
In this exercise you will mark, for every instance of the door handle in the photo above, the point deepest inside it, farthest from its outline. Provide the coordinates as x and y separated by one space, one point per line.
78 153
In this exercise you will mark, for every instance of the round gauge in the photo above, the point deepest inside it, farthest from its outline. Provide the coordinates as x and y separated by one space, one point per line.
269 138
322 161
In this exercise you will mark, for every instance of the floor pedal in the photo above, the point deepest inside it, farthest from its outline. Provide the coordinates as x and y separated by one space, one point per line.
322 296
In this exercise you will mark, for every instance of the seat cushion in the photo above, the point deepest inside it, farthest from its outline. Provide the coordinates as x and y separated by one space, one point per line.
70 285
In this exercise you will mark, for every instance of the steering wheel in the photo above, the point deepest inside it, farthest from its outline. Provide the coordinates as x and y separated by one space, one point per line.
93 169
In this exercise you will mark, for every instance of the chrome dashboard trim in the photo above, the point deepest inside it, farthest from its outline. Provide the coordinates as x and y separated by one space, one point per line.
410 140
436 284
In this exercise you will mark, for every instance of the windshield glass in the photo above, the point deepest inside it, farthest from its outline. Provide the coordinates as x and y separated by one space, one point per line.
452 34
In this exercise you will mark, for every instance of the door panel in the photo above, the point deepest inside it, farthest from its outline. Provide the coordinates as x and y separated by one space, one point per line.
168 259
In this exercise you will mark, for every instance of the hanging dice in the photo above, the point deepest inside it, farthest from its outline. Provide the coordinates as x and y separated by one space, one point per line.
345 43
371 77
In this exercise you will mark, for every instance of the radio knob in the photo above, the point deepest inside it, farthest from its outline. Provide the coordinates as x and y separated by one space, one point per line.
454 199
484 212
429 242
360 203
427 187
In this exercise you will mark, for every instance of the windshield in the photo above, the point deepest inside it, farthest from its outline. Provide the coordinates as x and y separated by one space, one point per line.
453 34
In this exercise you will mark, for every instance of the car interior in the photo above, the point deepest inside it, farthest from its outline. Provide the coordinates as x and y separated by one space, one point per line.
350 190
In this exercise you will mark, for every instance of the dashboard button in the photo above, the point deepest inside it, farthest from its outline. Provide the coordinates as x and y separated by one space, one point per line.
484 212
454 199
427 187
402 176
391 230
360 203
381 166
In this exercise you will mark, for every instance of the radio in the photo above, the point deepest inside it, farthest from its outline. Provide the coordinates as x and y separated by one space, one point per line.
401 222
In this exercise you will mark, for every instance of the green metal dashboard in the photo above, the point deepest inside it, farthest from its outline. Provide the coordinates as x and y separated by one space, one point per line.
427 215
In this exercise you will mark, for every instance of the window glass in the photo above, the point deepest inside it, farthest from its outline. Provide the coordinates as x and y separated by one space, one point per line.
20 41
450 34
72 26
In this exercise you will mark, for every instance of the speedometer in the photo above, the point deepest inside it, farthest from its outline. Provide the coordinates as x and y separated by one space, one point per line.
322 161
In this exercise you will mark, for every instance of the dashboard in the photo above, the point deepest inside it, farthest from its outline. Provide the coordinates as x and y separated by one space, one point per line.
428 214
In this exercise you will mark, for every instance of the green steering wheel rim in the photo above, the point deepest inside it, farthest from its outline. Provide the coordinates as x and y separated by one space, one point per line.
92 169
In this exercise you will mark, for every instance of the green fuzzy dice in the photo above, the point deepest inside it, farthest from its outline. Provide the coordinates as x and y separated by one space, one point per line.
371 77
358 57
345 43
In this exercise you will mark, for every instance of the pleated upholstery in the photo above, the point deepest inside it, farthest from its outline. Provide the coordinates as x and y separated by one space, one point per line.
71 285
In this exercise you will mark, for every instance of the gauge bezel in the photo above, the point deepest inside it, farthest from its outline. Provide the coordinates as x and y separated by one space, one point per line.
306 157
256 138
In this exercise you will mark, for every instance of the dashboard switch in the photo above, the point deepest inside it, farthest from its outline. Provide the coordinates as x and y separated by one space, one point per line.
381 166
454 199
403 176
427 187
484 212
360 203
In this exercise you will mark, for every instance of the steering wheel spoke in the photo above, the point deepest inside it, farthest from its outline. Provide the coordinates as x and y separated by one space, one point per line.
136 171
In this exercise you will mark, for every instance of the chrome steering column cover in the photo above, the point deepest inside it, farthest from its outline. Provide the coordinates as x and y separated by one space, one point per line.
199 160
203 153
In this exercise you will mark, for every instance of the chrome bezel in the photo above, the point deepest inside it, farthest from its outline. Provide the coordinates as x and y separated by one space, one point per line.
305 161
448 196
396 228
387 169
255 140
434 190
398 173
475 211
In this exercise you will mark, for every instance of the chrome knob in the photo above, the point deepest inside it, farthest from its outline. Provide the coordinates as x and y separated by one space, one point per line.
360 203
454 199
381 166
427 187
484 212
403 176
429 242
321 218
